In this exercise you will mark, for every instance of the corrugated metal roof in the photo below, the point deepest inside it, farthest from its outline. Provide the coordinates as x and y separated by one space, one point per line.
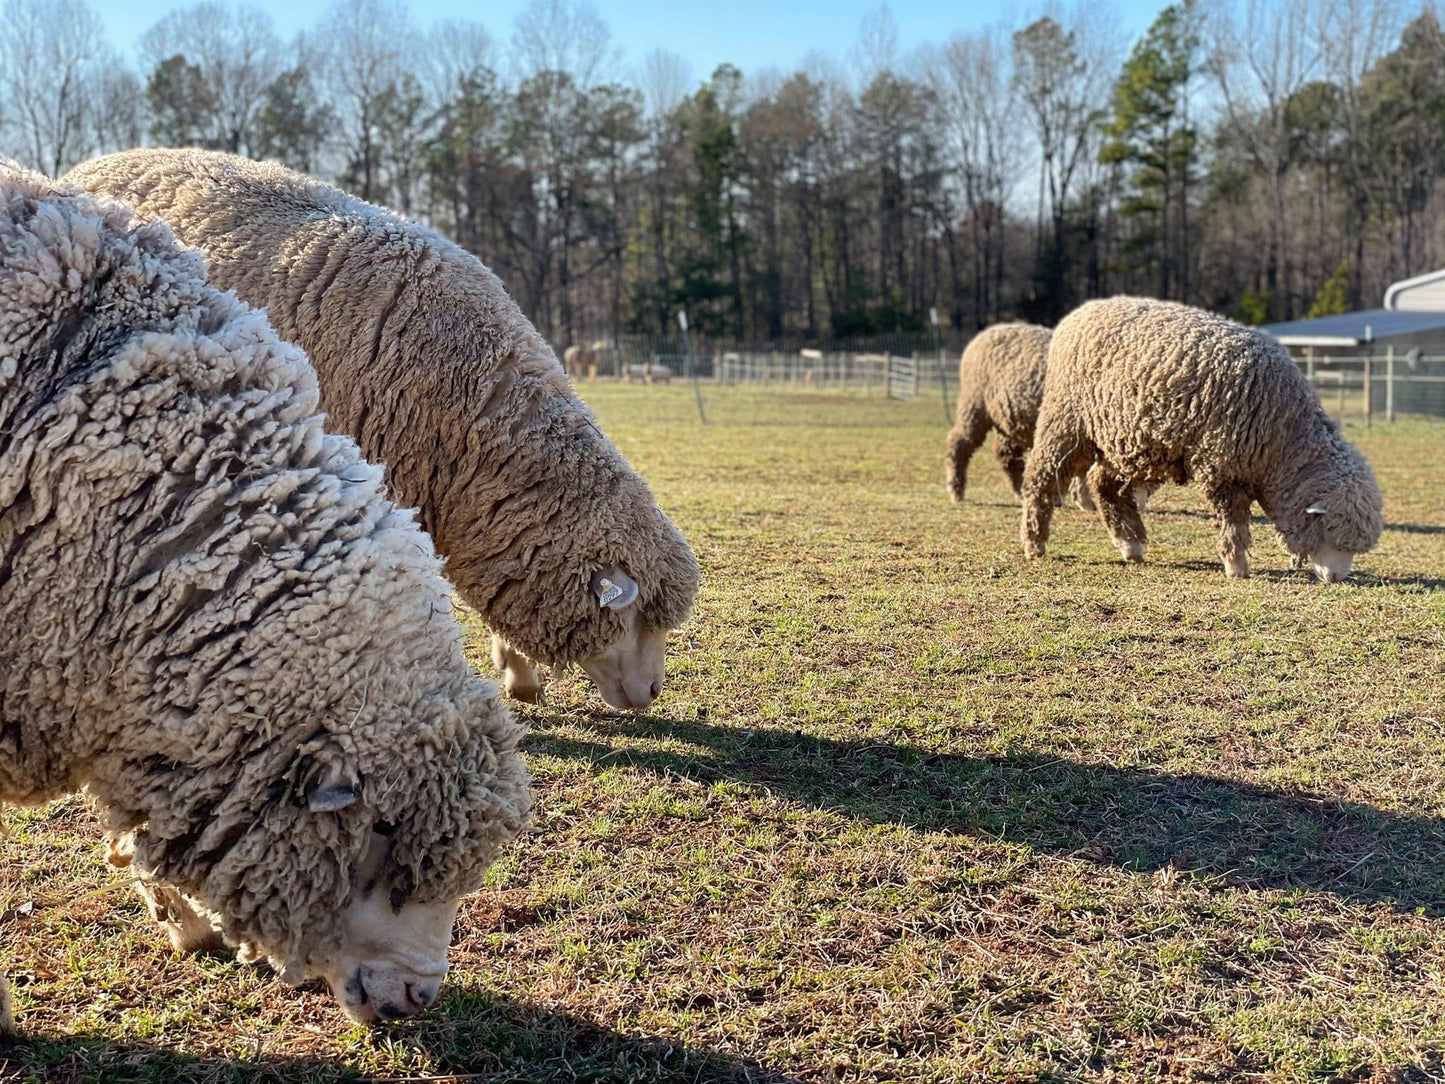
1348 329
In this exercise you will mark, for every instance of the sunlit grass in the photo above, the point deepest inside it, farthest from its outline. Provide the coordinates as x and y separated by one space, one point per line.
911 809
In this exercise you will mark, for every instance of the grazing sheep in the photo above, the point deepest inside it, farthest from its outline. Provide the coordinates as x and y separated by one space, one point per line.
582 361
218 625
425 360
1153 391
1000 386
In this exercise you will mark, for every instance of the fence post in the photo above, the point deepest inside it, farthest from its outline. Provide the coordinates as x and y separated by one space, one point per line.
1369 375
1390 382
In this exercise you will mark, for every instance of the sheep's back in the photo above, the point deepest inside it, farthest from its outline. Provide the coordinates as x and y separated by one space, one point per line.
1166 390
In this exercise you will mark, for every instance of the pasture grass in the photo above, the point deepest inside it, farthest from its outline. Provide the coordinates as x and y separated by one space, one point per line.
911 810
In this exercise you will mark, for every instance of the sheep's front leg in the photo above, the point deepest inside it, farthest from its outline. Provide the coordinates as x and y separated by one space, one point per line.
1119 513
188 925
965 438
1061 451
1231 506
520 679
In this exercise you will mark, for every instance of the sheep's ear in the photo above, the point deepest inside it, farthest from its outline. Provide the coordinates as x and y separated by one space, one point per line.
614 588
1316 510
333 791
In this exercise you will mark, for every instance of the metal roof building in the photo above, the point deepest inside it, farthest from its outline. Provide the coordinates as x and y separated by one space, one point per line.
1396 352
1413 318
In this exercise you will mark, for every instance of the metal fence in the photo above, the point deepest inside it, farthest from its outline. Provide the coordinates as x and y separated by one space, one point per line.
1378 386
900 367
894 375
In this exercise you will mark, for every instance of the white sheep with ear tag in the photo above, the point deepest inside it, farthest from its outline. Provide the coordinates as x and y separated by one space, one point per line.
511 473
1139 391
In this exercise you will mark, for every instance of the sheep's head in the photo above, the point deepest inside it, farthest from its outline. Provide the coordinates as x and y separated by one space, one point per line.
390 959
1328 524
628 671
346 857
594 574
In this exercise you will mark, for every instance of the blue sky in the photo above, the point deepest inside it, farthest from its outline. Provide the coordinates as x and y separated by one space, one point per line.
753 34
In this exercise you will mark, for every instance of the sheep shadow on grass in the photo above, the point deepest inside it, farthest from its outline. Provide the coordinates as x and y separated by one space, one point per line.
1135 819
1415 528
470 1035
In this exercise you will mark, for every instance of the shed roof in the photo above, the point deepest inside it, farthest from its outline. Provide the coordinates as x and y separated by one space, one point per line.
1348 329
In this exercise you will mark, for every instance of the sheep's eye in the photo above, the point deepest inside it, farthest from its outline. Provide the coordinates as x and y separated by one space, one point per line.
384 828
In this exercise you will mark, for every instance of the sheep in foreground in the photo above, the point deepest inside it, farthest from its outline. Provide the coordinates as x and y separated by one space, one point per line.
1153 391
425 360
1000 386
218 625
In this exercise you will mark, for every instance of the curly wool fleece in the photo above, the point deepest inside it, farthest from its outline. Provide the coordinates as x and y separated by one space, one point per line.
431 366
1156 391
209 604
1000 386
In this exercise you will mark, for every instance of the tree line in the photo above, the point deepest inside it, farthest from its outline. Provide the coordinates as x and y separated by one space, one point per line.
1269 159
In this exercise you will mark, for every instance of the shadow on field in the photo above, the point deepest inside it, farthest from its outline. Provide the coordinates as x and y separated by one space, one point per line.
1415 528
1137 820
469 1036
1360 578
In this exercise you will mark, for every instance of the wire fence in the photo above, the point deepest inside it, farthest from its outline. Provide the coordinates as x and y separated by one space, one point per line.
1378 387
1398 383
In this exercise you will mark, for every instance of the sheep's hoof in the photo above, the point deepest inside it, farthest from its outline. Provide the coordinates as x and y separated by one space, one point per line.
1237 568
955 495
1132 551
1034 550
526 692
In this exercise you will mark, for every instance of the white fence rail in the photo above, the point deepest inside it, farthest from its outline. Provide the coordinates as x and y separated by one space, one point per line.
871 374
1398 383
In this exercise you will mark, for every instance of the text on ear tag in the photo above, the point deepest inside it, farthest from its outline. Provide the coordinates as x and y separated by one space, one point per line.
610 592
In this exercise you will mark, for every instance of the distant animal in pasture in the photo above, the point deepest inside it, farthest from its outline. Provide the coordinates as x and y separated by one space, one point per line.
580 361
1140 391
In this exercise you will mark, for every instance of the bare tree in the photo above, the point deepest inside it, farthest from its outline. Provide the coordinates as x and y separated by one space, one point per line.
1351 36
116 117
455 50
1062 74
665 80
236 55
365 46
562 52
566 36
53 58
876 50
1261 58
978 98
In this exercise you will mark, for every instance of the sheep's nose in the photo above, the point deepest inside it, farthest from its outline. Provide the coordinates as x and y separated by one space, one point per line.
656 689
421 994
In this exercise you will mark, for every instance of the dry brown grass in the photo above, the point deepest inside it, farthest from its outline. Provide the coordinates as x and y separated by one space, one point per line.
913 809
